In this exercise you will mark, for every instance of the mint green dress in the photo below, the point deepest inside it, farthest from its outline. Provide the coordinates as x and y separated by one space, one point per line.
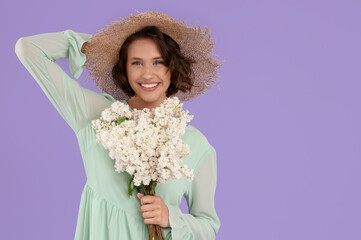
105 210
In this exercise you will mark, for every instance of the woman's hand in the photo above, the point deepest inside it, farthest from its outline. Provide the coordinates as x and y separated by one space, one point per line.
83 47
155 211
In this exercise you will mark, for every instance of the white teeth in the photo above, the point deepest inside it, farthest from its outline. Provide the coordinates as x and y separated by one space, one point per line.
149 85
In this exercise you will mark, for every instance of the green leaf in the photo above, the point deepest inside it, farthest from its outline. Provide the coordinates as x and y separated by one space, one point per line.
131 186
120 120
130 193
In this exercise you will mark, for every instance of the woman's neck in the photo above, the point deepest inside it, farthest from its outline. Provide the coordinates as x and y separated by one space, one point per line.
136 102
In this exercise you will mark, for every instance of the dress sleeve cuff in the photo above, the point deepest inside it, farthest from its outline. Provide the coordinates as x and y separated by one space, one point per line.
179 228
76 57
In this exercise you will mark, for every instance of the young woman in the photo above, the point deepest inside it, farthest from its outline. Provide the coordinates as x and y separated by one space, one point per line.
141 61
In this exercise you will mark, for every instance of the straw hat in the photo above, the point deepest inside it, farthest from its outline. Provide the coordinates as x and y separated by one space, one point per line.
102 51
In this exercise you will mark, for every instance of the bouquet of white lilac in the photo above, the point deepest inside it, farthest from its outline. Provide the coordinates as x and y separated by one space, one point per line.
146 143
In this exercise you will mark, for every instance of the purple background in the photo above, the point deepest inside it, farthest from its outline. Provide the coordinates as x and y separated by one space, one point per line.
285 119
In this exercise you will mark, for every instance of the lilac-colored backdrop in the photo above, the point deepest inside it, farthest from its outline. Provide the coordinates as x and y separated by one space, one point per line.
285 119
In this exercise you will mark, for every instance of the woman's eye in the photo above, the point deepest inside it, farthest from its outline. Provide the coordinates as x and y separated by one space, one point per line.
139 63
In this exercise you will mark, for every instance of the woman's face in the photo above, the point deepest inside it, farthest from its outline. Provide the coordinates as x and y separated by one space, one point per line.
145 68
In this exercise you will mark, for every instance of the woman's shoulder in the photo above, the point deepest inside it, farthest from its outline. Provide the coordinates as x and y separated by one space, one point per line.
108 97
190 129
194 137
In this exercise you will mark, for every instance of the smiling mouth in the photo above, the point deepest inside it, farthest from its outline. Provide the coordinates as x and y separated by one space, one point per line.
149 85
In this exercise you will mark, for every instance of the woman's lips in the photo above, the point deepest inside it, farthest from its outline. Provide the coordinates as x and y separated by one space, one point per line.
149 89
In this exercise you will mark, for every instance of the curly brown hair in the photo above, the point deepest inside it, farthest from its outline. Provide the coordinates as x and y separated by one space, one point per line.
178 64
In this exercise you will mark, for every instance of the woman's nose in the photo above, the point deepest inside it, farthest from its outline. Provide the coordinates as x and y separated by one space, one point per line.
148 71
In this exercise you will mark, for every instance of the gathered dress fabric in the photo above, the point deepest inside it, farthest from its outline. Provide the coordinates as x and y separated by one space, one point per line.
105 211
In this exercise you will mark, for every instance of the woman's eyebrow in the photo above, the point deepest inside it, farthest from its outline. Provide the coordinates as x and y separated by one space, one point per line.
137 58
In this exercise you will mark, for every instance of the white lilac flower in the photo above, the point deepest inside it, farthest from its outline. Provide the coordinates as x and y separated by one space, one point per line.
147 144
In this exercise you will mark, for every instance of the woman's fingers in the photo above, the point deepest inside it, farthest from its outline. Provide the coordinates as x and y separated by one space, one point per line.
149 207
154 220
83 47
148 199
150 214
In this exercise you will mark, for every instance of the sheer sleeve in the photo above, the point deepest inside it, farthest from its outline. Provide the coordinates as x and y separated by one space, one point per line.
38 53
202 221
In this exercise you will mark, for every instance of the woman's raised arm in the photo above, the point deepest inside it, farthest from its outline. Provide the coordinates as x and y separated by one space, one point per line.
38 53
